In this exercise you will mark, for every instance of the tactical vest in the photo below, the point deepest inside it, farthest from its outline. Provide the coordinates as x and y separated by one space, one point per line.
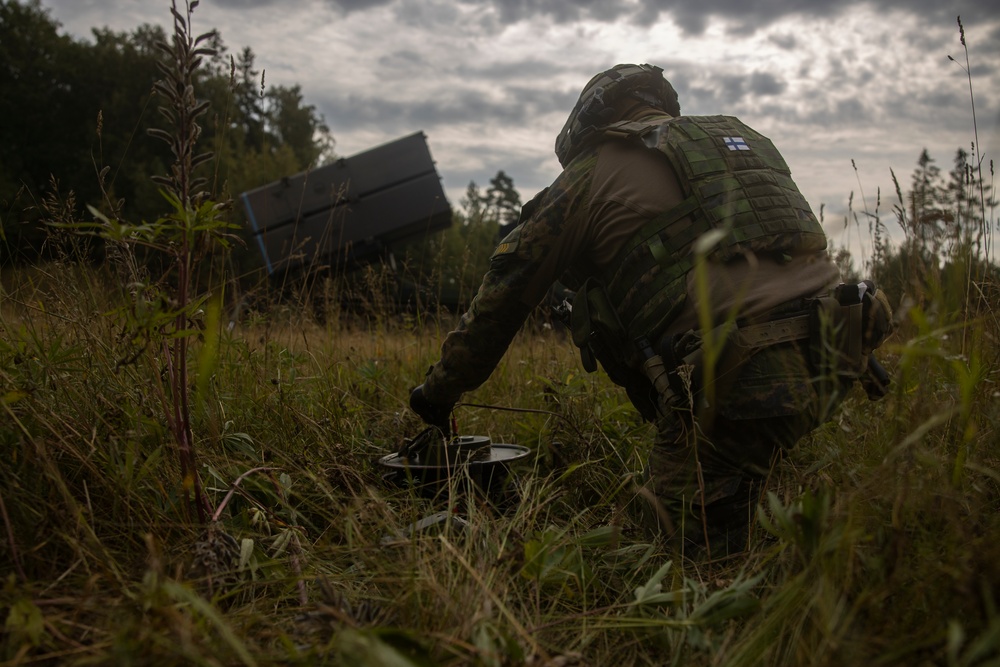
735 182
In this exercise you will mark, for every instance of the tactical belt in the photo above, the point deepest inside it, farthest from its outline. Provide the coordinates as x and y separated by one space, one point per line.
741 342
773 332
839 326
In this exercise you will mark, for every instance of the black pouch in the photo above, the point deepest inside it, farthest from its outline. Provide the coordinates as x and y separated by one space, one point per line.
598 332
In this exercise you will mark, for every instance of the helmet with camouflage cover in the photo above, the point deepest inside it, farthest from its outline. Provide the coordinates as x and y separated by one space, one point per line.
597 103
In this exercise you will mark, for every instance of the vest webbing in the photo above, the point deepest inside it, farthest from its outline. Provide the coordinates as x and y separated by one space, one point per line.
734 180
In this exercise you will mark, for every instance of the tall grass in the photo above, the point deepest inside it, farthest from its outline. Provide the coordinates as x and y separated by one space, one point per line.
876 544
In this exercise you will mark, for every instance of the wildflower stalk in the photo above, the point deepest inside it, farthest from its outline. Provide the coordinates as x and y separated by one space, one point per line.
967 68
187 230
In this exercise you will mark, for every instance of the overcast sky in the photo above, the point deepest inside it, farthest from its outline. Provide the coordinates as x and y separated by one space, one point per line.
490 82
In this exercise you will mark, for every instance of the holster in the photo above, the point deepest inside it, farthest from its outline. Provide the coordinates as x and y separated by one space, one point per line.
835 338
601 336
597 331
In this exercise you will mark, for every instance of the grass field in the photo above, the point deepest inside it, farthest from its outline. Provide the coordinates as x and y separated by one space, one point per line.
877 542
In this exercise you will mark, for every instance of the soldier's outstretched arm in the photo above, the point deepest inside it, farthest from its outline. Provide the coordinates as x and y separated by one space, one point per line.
522 268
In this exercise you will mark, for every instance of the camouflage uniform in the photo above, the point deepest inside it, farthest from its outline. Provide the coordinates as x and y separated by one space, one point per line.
575 229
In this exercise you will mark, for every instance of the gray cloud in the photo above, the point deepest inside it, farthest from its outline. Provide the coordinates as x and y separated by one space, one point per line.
523 68
243 4
786 41
406 60
693 17
764 84
991 44
417 14
836 113
528 169
344 6
746 16
704 89
561 11
515 107
460 107
830 86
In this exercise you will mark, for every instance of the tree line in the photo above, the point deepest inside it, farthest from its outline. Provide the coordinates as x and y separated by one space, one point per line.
948 223
76 115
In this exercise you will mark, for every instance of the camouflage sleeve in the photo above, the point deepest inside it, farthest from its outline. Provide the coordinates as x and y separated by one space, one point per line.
522 268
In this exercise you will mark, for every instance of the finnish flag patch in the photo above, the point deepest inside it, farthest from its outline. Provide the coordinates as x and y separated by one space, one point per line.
736 143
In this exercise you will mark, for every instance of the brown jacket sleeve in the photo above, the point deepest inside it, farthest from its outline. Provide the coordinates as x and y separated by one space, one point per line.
523 267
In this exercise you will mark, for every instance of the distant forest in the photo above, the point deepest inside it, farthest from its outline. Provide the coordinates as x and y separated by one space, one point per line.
76 134
76 115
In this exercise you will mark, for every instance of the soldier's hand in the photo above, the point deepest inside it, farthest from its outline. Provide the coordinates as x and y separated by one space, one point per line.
876 318
433 414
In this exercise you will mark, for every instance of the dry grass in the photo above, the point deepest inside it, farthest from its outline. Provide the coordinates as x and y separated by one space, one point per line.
882 546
